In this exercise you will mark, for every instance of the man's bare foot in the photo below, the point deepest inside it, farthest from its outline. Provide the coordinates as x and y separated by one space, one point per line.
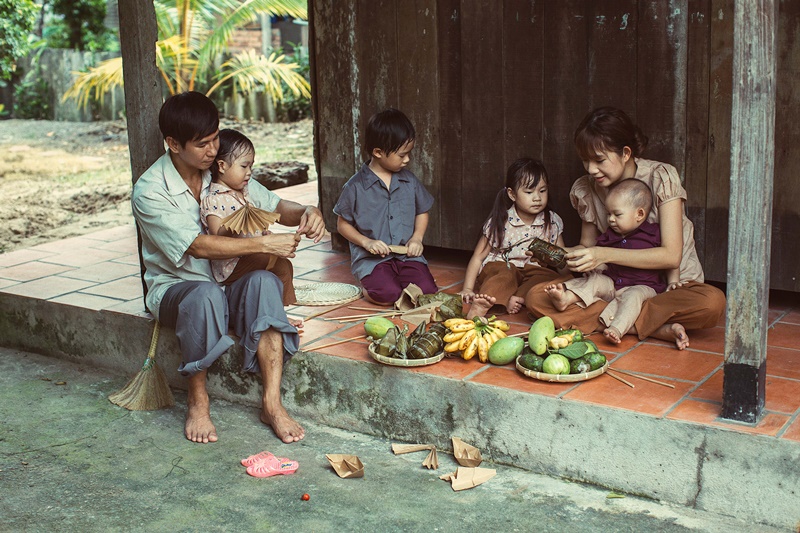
673 332
612 334
515 304
199 427
481 304
560 296
285 427
296 322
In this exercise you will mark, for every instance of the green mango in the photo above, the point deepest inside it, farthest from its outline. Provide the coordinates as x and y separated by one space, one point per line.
377 326
540 334
505 350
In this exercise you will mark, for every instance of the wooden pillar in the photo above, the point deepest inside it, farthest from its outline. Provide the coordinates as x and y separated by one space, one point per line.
750 215
138 34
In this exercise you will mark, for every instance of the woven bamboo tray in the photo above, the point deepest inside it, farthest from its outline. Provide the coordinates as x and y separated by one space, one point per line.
561 378
326 293
404 362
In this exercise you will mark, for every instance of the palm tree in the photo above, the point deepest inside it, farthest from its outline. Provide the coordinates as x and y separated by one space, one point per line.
192 34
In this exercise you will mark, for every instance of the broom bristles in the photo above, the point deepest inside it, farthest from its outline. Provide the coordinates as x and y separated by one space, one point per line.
148 390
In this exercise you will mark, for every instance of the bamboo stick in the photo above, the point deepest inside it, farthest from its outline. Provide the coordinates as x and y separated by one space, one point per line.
365 315
334 343
318 313
628 383
651 380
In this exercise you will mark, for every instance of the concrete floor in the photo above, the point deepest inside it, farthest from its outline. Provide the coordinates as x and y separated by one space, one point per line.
72 461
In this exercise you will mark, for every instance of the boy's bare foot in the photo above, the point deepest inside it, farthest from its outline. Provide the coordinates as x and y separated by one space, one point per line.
481 304
285 427
612 334
560 295
675 333
199 427
515 304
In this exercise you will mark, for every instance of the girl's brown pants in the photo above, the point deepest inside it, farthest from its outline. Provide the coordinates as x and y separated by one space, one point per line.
280 266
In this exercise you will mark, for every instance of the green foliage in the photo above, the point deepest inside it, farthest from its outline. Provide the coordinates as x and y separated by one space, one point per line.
16 22
294 106
192 34
32 92
79 25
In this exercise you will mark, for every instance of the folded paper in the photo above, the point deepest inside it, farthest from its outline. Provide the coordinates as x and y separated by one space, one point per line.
466 454
431 462
347 466
468 477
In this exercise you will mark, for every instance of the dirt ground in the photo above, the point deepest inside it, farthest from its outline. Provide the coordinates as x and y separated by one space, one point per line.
63 179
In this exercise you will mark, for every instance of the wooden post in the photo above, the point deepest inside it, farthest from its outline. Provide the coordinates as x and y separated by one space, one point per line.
138 34
750 215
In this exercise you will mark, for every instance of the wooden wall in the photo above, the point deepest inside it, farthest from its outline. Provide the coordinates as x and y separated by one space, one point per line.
488 81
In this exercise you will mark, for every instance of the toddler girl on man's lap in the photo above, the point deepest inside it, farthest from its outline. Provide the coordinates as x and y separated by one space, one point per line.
230 174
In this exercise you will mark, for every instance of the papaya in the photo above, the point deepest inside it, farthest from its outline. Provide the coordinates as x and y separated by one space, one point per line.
596 360
540 334
377 326
579 366
505 350
531 361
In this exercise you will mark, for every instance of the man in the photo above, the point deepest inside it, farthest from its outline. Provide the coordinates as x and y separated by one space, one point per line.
182 292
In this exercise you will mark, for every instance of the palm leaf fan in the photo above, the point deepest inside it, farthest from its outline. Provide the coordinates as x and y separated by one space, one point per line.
249 219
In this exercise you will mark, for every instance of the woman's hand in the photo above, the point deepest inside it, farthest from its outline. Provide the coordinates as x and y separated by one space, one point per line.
377 247
414 248
585 259
312 224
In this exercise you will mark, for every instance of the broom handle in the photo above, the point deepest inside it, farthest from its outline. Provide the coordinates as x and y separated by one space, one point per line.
151 353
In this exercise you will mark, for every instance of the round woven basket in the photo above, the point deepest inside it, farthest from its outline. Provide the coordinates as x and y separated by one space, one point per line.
561 378
404 362
326 293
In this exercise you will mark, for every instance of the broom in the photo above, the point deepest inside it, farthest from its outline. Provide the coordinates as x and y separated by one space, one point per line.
148 390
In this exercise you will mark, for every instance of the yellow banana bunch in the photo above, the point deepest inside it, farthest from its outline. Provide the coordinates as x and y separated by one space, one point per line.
475 336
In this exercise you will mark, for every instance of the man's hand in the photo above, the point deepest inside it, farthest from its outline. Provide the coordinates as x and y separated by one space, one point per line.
312 225
281 244
414 248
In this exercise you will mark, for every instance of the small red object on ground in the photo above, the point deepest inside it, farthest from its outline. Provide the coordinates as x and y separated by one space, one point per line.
306 497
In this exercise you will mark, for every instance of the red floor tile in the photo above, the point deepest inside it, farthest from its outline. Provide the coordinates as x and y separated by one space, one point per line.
783 335
356 350
605 345
783 395
658 360
707 414
339 273
510 378
711 389
644 397
315 260
792 318
314 329
450 367
793 431
783 362
446 277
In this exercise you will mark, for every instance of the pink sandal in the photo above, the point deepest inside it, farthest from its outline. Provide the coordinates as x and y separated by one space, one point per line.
257 458
272 466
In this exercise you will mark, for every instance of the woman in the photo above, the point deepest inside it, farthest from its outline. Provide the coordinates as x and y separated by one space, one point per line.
610 146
